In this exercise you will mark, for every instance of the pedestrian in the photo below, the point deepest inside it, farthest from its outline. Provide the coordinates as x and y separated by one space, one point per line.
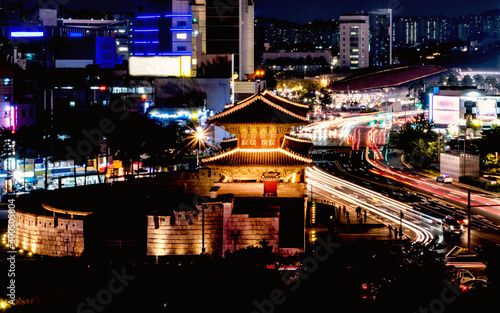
401 232
343 210
348 222
365 215
347 214
390 228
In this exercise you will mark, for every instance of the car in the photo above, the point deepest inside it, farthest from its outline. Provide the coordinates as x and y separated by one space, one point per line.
462 276
450 224
473 284
444 178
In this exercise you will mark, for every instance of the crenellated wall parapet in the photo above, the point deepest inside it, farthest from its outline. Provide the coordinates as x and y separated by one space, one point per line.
48 235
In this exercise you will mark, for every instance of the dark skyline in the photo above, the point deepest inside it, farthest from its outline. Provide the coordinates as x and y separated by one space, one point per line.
306 11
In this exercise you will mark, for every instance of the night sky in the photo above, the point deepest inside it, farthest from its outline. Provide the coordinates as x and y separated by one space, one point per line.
303 11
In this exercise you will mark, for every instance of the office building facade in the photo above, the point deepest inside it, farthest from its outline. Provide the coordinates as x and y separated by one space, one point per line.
230 30
354 41
381 37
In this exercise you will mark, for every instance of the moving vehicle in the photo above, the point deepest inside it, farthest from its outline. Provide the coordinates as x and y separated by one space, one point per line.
450 224
444 178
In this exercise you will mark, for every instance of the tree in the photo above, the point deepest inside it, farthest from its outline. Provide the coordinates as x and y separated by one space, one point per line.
442 79
415 138
467 81
490 82
453 80
325 97
478 80
490 141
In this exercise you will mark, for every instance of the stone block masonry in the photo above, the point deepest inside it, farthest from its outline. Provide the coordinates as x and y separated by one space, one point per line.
48 235
181 234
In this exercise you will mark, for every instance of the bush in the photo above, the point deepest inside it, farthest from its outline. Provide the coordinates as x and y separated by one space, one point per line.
495 187
472 181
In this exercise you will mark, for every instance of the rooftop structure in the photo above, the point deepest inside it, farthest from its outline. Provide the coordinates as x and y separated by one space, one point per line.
386 78
260 145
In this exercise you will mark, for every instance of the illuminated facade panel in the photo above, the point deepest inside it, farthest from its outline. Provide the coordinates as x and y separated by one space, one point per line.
164 66
445 109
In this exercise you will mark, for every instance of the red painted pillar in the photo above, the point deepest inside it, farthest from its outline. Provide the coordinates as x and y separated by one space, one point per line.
270 180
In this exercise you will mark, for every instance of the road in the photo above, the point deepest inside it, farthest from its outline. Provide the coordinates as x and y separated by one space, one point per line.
332 188
352 168
427 198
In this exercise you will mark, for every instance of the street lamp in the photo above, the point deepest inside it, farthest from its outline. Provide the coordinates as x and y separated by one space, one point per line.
198 138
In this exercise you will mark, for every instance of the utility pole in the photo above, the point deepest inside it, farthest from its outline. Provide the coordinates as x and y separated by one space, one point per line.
401 224
235 236
468 219
202 228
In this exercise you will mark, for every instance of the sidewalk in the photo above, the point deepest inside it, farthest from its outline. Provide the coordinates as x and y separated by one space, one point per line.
351 225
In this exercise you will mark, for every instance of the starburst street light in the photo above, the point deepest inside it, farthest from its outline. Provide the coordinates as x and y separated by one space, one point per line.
198 137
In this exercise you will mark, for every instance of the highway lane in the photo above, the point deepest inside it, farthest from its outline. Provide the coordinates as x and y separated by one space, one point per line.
351 167
424 194
333 188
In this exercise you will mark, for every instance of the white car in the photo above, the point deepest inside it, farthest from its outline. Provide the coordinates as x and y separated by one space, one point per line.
463 276
444 178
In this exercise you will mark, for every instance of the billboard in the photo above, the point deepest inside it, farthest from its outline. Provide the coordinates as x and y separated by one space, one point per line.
486 109
162 66
445 110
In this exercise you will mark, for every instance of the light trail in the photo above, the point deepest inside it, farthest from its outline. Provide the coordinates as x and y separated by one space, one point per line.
325 181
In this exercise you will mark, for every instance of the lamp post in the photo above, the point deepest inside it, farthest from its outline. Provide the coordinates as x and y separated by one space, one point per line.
197 139
202 228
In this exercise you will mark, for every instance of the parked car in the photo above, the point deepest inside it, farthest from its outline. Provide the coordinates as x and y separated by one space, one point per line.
462 276
444 178
474 284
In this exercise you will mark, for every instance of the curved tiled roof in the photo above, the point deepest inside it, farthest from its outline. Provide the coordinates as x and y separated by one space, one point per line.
228 144
263 108
296 145
257 157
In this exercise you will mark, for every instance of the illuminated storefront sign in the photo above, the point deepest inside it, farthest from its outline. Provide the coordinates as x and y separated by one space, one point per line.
445 109
486 109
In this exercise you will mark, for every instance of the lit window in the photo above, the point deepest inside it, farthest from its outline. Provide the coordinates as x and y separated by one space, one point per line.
181 36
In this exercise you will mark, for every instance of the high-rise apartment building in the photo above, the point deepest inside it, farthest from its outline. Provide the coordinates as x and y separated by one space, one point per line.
354 41
380 37
230 30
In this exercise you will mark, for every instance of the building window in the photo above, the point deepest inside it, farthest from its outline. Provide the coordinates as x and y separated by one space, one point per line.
181 23
23 113
181 48
181 36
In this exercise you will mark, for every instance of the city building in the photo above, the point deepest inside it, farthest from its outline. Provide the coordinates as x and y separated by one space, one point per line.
459 164
380 37
354 41
230 30
162 28
120 27
79 42
463 107
387 88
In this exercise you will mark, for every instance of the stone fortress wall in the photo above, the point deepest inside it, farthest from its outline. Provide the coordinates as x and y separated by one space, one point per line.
39 234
